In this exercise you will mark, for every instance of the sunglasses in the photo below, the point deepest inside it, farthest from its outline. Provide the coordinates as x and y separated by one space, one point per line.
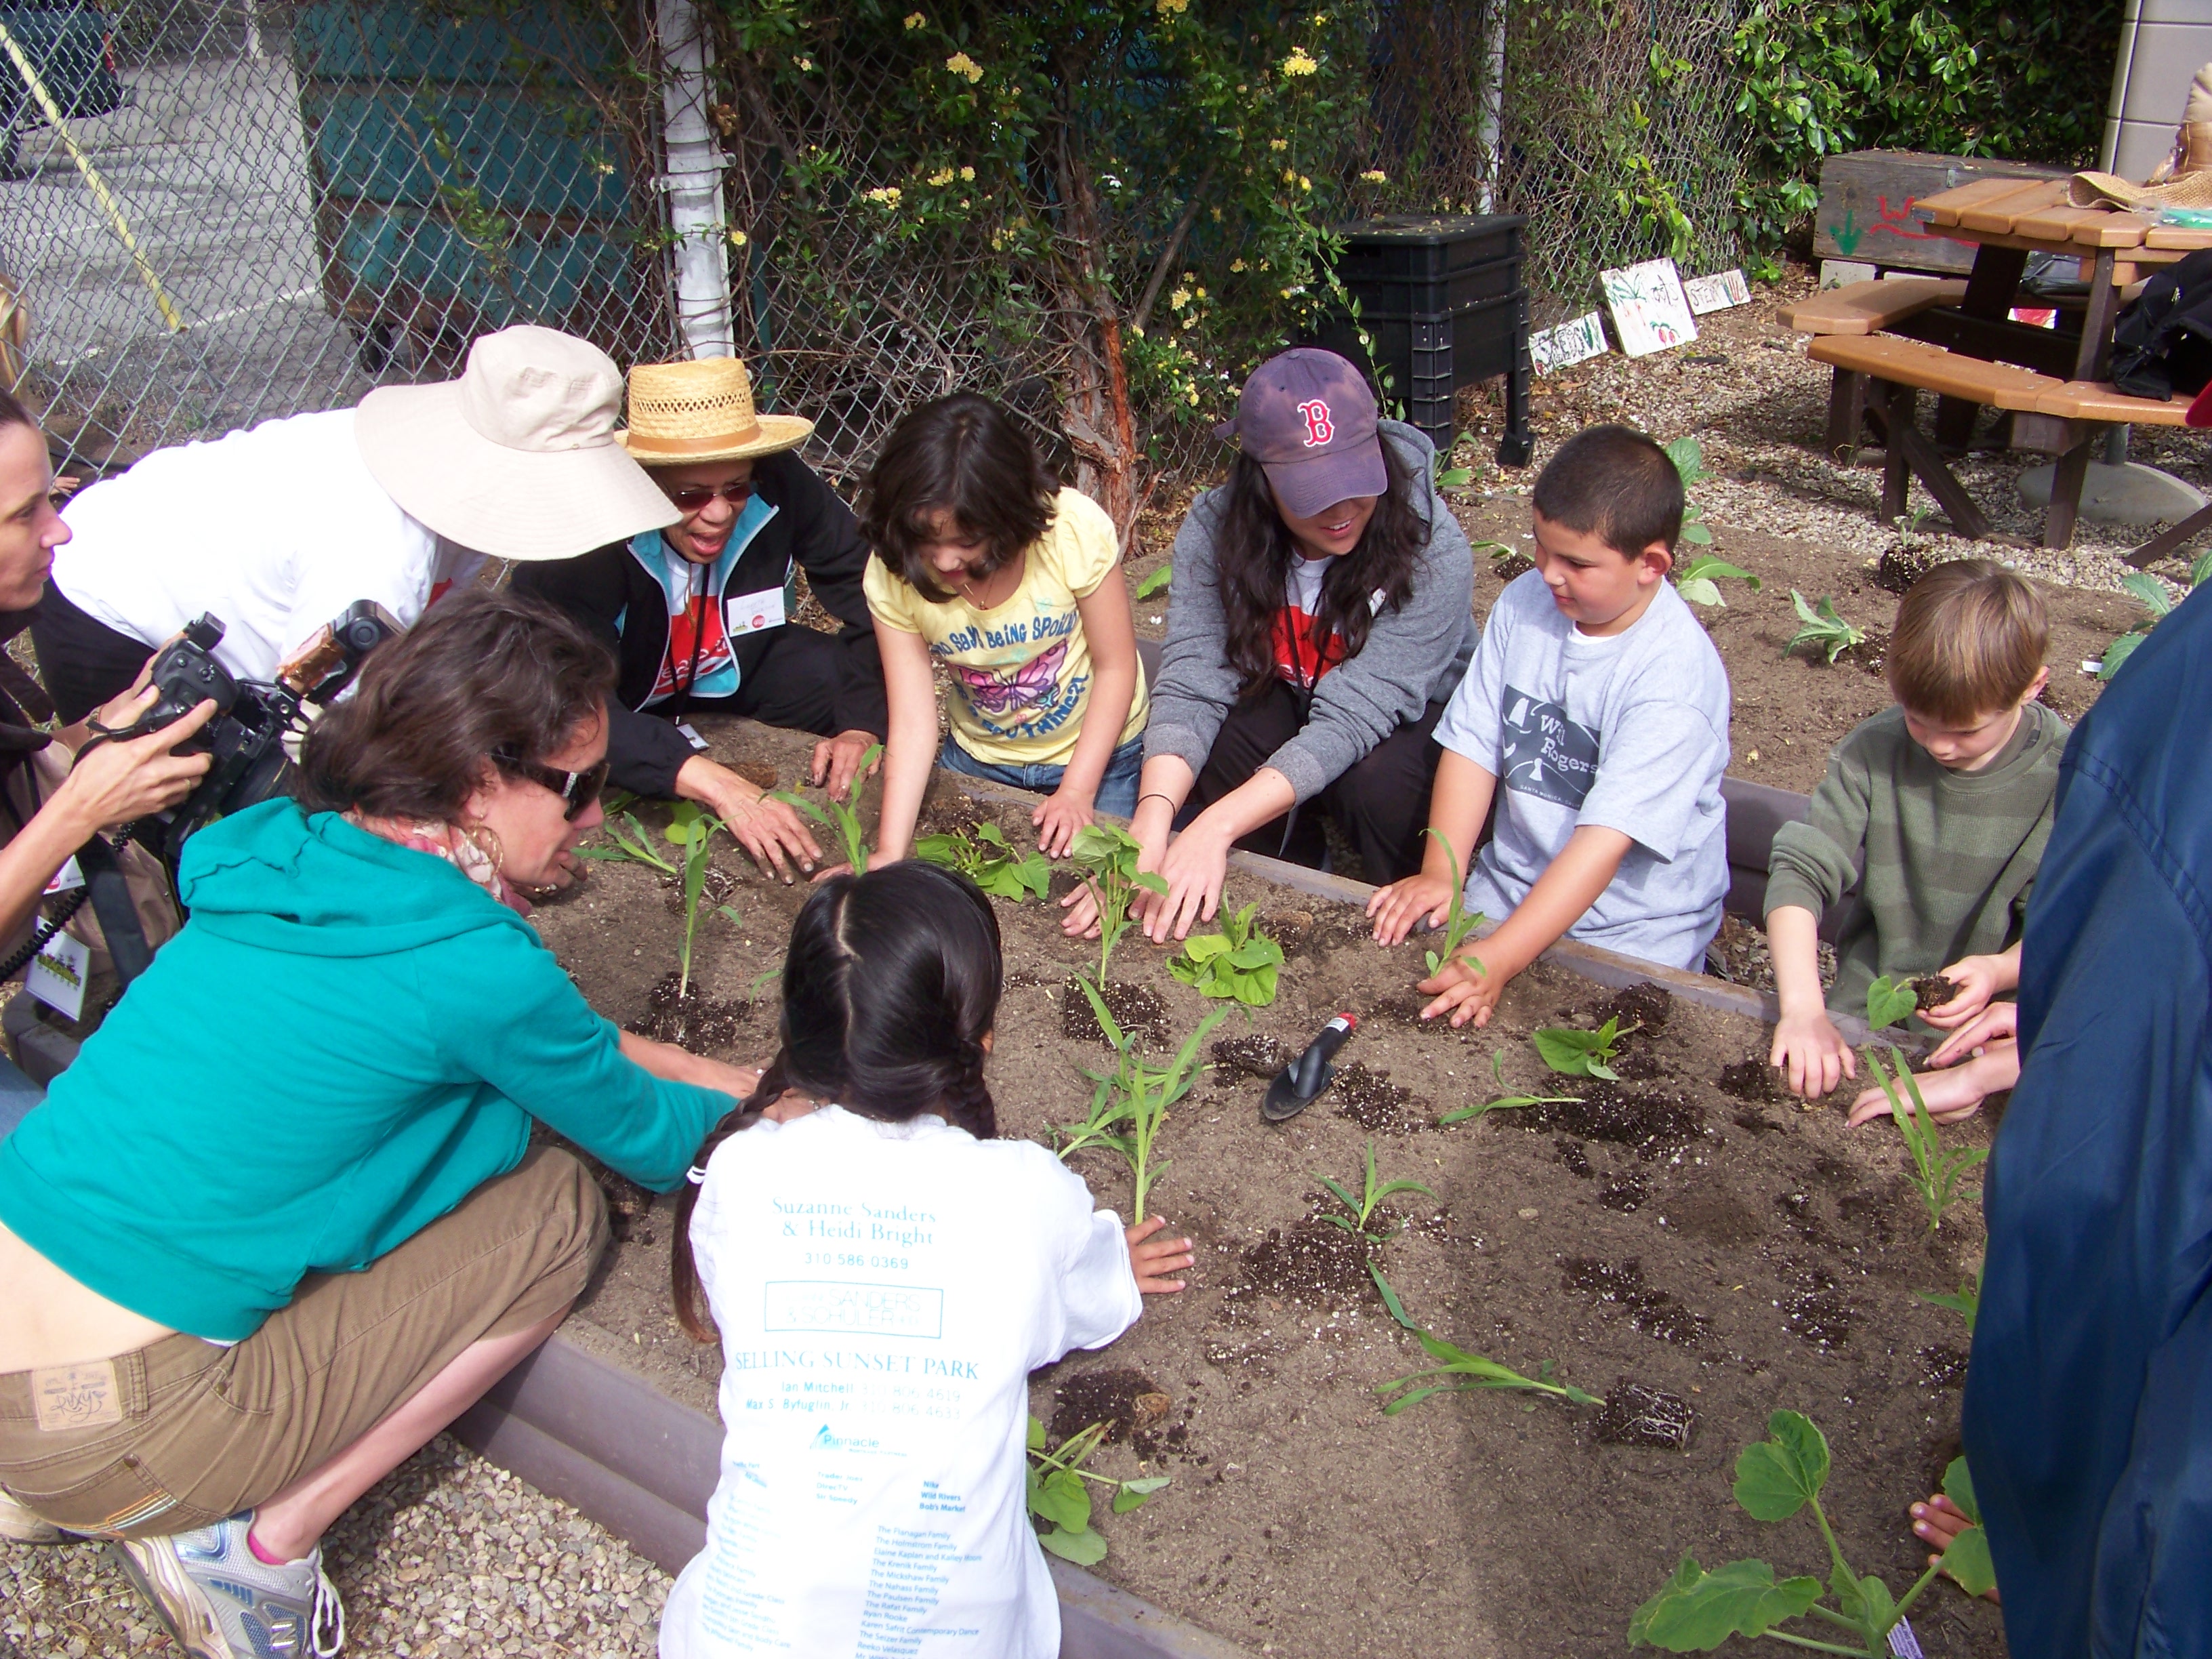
577 790
693 498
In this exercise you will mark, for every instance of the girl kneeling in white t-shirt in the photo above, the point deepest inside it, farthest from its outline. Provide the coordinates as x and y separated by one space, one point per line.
884 1274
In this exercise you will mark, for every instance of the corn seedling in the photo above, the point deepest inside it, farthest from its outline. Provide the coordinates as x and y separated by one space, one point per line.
1371 1196
1060 1499
1966 1301
1699 580
1823 628
986 859
1108 856
691 827
1447 476
1129 1103
1240 962
1690 461
1460 923
842 816
1582 1054
2151 592
633 843
1503 1102
1463 1372
1157 580
1937 1173
1697 1611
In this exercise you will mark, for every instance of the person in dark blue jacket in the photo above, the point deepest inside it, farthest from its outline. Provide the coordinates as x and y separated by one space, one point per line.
2089 1406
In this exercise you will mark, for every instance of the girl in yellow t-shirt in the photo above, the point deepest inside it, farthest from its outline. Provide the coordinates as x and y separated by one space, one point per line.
983 563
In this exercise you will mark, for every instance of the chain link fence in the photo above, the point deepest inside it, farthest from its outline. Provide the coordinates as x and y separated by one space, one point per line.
275 204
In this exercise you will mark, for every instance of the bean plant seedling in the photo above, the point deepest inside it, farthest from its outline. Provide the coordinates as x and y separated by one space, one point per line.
1371 1196
1157 580
1823 628
1690 463
1699 580
843 816
2151 592
1582 1054
1129 1103
1465 1372
1239 962
1108 855
1936 1174
1460 923
986 859
1059 1497
1697 1611
1503 1102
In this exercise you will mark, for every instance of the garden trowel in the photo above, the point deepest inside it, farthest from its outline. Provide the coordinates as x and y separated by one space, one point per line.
1298 1083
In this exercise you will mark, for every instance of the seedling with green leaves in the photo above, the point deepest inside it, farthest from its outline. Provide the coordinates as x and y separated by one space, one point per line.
1460 923
1697 1611
1463 1372
1699 580
1129 1103
1239 962
1108 855
1583 1053
1503 1102
1157 580
1823 628
1966 1301
1058 1497
983 856
843 816
1449 475
1362 1209
691 827
1690 461
1937 1174
633 843
2151 592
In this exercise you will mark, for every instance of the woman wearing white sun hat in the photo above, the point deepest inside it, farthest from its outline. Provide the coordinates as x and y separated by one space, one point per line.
700 611
279 528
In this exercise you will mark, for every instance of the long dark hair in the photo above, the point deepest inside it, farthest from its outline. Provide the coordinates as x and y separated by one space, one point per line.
482 674
963 456
889 986
1252 550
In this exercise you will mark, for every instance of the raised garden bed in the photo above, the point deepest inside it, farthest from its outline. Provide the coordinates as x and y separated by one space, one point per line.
1679 1231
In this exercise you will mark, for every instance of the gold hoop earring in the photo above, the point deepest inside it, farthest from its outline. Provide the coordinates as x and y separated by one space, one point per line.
474 835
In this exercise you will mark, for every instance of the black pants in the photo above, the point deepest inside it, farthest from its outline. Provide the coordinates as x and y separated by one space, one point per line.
83 660
1381 802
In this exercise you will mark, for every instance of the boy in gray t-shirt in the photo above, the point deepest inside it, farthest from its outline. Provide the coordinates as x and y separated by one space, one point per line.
1598 699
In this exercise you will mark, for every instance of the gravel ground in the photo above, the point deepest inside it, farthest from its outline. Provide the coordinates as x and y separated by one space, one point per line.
449 1555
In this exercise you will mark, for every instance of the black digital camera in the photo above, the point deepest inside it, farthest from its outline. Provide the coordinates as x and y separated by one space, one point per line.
251 719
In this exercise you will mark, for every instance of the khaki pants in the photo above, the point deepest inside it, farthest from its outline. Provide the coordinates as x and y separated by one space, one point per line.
206 1432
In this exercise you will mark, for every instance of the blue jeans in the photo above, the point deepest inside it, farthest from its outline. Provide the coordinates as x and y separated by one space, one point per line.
1117 790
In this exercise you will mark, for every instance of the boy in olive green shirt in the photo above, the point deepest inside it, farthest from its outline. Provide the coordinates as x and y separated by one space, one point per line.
1939 809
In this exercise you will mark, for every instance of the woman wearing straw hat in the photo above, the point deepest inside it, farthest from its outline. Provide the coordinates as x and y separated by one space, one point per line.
699 612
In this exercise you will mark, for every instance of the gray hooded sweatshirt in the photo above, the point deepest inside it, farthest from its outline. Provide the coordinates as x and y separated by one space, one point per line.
1416 653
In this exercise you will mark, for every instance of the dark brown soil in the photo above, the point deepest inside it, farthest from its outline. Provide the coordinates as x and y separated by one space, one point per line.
1249 1057
1136 1009
1124 1399
1373 1102
690 1019
1753 1080
1900 567
716 889
1933 991
1775 1258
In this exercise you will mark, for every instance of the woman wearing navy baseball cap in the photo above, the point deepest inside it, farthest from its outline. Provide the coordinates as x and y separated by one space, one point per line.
1322 614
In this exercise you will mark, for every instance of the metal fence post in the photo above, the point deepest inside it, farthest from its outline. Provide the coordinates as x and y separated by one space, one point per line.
694 184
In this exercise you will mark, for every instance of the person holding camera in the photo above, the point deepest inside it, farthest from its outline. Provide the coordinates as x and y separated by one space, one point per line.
278 530
53 801
700 611
283 1221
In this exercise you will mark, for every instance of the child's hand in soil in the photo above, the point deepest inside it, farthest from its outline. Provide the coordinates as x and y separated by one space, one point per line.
1811 1053
1937 1523
1150 1258
1058 817
1397 910
1979 979
1464 991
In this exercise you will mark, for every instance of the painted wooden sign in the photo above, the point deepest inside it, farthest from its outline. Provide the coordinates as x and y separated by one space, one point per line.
1867 202
1649 312
1574 341
1717 292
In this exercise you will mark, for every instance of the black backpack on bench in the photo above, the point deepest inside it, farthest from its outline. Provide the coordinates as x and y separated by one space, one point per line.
2162 342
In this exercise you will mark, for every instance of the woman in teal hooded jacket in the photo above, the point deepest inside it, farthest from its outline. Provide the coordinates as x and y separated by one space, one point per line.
281 1221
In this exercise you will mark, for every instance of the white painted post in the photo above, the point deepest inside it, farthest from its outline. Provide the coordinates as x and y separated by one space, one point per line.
694 184
1491 122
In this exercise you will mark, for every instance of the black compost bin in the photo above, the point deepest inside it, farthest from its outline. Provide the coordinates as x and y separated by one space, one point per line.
1442 297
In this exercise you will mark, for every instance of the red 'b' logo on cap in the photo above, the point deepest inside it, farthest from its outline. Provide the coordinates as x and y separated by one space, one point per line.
1319 430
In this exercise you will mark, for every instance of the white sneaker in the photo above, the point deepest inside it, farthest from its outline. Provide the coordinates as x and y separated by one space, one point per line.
20 1526
220 1600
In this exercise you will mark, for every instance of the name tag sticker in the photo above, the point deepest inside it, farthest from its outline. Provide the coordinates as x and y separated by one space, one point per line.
752 613
57 973
67 876
691 736
77 1396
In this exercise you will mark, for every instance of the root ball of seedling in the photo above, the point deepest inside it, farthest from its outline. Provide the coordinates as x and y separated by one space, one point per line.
1635 1415
1933 991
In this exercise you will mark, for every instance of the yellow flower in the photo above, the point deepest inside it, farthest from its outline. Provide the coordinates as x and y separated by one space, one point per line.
1201 293
1172 8
964 201
961 64
1298 64
1320 19
1375 176
737 239
967 175
942 176
1000 239
1137 329
1191 396
1179 299
1290 175
1279 143
1216 215
1304 183
1237 264
1191 321
884 196
806 66
914 19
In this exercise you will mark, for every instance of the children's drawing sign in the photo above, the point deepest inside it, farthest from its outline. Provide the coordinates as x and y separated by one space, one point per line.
1571 342
1717 292
1649 312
